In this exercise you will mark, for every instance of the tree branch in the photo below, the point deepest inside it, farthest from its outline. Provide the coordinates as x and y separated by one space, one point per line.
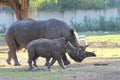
14 4
4 4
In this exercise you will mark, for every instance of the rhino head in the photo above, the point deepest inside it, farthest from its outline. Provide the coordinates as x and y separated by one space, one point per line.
79 54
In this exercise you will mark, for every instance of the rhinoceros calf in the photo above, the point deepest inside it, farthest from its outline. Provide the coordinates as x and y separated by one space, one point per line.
50 48
20 33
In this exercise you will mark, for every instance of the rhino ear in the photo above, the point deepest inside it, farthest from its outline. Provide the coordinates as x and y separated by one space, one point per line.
66 40
72 31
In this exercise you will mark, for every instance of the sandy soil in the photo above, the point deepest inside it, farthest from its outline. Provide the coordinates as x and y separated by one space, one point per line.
89 69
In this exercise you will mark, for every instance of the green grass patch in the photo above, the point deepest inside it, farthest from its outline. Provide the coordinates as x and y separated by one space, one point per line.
98 33
19 74
105 38
9 72
101 36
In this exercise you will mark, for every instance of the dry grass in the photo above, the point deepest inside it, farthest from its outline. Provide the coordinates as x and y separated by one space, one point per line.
75 71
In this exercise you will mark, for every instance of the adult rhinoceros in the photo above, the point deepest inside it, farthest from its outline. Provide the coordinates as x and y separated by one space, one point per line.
20 33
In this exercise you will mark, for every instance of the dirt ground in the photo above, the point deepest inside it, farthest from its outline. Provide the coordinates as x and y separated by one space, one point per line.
89 69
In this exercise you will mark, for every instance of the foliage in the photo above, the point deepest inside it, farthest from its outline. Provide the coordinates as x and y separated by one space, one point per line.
62 5
92 4
20 74
2 28
101 24
35 3
49 6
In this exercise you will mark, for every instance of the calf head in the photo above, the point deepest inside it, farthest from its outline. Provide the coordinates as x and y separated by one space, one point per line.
83 54
74 52
79 54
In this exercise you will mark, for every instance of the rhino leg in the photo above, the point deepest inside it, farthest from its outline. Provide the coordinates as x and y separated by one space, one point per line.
8 60
60 61
31 57
12 54
64 58
12 49
47 63
34 60
16 63
30 63
52 62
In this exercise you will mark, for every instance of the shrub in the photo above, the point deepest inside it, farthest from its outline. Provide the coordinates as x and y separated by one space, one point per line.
2 28
101 24
62 5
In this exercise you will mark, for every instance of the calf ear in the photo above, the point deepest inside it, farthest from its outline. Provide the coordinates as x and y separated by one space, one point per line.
86 45
72 31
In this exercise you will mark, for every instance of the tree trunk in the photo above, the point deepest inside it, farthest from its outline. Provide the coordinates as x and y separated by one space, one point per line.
21 10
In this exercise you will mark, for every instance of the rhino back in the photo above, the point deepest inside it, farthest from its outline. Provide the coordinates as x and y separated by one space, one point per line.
27 30
56 29
61 29
47 47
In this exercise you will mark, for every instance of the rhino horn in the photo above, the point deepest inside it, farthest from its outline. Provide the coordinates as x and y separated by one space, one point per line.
90 54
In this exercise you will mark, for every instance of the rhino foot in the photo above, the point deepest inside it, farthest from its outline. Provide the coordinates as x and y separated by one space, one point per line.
8 62
35 65
66 62
64 67
17 64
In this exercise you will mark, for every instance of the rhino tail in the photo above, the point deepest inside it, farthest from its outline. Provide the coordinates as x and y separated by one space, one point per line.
31 52
12 43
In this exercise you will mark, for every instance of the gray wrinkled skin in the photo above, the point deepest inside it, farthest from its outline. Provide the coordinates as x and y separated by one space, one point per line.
22 32
50 48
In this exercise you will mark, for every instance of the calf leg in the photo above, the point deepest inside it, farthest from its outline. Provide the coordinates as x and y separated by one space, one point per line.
52 62
31 57
47 63
30 63
64 58
34 60
60 61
